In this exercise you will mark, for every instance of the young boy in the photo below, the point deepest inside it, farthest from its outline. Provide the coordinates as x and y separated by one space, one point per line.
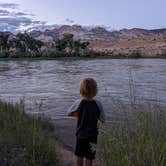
88 111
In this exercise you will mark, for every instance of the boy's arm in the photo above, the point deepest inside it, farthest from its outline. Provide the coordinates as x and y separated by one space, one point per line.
73 110
102 116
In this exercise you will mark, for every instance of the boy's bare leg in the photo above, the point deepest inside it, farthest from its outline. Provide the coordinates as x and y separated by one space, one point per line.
89 162
80 161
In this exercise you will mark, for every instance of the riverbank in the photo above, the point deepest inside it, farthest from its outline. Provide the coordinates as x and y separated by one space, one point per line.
72 58
133 138
29 141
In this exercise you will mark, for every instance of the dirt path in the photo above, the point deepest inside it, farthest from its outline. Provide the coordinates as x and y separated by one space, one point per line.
65 133
69 158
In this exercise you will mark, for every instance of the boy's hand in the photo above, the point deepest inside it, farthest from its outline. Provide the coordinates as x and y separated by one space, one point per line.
74 114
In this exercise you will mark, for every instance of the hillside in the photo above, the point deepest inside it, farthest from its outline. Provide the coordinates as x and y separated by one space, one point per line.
148 46
125 41
150 43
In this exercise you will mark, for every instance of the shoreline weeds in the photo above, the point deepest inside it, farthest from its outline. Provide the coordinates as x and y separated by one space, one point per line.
39 138
24 138
47 149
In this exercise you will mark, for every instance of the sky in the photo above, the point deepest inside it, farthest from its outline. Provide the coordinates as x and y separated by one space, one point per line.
18 15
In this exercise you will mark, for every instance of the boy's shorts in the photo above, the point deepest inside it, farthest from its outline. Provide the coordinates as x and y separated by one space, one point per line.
86 147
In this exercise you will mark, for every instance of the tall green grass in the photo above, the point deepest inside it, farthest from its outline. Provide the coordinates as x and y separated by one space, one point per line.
25 140
138 138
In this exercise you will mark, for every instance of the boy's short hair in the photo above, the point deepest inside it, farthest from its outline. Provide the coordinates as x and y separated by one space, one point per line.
88 88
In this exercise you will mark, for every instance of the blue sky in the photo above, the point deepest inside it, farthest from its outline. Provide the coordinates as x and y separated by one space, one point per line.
117 14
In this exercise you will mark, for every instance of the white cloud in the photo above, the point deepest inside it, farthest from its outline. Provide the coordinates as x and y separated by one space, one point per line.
14 20
9 5
69 21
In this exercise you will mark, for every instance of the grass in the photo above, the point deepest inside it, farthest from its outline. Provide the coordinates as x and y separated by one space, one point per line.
138 138
25 140
133 138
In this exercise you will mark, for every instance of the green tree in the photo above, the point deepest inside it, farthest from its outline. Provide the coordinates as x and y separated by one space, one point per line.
4 46
65 42
84 44
27 43
72 46
60 45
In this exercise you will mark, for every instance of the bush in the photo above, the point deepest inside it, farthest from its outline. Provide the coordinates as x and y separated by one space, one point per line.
52 53
4 54
19 54
136 53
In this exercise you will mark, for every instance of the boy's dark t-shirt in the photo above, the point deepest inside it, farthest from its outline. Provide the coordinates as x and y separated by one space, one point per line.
89 112
88 115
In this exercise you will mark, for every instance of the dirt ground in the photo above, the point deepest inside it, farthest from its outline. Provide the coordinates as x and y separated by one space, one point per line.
65 133
69 159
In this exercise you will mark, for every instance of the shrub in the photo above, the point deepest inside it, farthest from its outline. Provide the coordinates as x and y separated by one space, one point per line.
52 52
4 54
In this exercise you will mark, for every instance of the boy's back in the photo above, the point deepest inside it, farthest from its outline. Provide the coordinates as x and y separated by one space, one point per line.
88 115
88 111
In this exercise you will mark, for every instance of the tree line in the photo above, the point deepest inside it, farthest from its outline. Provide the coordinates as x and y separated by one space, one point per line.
23 45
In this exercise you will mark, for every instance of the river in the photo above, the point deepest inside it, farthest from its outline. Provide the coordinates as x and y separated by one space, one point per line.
55 83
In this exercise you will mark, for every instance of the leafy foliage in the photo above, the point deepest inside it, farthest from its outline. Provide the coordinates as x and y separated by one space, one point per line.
24 45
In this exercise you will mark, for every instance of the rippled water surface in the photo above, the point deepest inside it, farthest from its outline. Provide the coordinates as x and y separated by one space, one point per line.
56 83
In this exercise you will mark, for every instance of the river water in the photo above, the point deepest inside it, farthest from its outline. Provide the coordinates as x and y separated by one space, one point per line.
55 83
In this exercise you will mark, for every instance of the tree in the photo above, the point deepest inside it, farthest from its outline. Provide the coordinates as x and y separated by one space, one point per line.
72 46
77 45
84 44
61 45
4 46
27 43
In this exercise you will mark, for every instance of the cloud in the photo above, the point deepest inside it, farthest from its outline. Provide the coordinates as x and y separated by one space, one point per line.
16 20
17 24
70 21
9 5
4 12
43 27
22 14
16 14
